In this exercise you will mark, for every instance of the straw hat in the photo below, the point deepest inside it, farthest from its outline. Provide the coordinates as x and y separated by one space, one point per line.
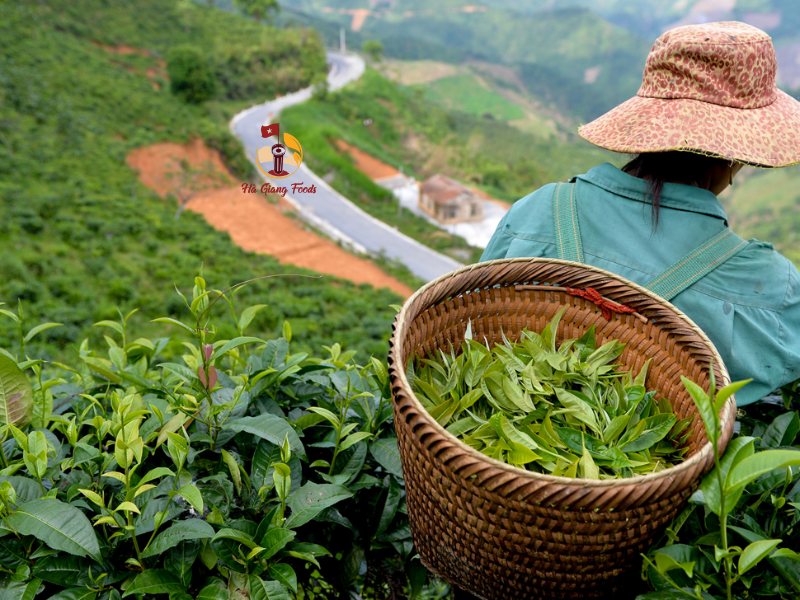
708 89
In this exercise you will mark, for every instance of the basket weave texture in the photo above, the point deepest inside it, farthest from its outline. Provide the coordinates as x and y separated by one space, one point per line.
502 532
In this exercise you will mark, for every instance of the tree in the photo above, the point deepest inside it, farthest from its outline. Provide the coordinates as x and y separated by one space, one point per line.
260 9
374 49
190 75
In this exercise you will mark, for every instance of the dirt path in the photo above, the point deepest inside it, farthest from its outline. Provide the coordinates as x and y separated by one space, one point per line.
254 223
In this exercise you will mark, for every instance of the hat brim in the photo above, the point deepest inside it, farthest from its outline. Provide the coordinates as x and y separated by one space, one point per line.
762 137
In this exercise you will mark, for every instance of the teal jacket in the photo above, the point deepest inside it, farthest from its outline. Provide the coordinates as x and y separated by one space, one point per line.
749 307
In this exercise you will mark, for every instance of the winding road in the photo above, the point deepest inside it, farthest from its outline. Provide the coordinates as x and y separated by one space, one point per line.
327 209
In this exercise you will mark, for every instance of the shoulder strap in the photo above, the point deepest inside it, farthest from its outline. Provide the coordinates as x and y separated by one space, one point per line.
697 264
565 221
691 268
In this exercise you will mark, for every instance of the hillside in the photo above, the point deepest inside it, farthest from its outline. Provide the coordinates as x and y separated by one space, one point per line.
482 89
568 56
403 128
554 52
582 56
86 236
766 206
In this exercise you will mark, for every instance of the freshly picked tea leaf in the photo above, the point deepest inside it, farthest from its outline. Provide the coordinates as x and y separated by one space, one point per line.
566 409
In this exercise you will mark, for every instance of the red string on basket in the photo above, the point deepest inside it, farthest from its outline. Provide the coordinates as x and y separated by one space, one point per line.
607 306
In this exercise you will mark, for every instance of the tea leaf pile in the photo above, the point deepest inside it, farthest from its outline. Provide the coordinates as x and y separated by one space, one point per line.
564 410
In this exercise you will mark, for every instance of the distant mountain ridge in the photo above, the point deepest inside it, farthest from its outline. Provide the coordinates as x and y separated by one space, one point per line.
568 56
585 56
616 38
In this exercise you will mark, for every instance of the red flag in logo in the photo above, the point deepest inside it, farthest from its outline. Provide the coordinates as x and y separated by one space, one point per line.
270 130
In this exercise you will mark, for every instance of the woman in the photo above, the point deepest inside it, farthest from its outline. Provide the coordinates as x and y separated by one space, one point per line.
707 106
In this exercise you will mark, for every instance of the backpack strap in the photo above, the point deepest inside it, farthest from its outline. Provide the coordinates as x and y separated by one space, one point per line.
697 264
565 220
691 268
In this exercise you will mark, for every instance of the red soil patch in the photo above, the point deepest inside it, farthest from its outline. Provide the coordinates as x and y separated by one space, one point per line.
254 224
367 164
157 164
125 50
375 169
121 49
151 73
359 16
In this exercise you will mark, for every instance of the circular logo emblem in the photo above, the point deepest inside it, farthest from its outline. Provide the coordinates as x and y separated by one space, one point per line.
279 161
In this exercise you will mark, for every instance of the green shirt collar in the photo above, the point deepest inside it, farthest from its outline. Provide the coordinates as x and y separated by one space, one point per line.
673 195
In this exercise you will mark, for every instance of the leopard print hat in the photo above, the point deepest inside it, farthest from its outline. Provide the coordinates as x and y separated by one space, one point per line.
708 89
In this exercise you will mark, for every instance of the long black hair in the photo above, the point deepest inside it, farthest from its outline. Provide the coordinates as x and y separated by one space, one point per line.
659 168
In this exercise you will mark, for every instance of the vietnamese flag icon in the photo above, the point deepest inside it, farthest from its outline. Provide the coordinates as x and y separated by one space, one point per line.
270 130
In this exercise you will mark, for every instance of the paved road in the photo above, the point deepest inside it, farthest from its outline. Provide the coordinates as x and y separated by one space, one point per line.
339 217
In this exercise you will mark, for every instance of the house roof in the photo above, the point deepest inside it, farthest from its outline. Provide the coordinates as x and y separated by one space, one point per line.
442 189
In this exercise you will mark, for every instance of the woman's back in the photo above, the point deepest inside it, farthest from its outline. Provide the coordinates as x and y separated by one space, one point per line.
749 306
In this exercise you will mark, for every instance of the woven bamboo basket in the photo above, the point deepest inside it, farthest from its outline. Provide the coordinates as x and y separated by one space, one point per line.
504 533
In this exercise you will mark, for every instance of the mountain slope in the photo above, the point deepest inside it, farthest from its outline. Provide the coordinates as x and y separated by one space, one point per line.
570 57
82 236
399 126
766 206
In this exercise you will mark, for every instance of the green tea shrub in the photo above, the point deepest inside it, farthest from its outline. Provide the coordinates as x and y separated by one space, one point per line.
258 9
190 76
199 467
737 538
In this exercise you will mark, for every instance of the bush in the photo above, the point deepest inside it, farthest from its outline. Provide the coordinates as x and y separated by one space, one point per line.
279 63
190 76
208 467
736 538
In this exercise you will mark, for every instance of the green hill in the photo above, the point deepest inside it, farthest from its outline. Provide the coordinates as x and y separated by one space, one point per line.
403 128
552 51
569 56
556 45
80 235
766 206
463 93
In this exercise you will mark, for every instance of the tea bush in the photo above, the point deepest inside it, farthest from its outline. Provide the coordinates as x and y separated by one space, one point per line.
204 467
737 538
230 468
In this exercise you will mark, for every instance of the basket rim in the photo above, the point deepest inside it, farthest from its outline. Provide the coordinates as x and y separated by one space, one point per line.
727 411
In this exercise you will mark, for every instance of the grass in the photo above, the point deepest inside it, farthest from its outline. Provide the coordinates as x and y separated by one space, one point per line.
465 94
